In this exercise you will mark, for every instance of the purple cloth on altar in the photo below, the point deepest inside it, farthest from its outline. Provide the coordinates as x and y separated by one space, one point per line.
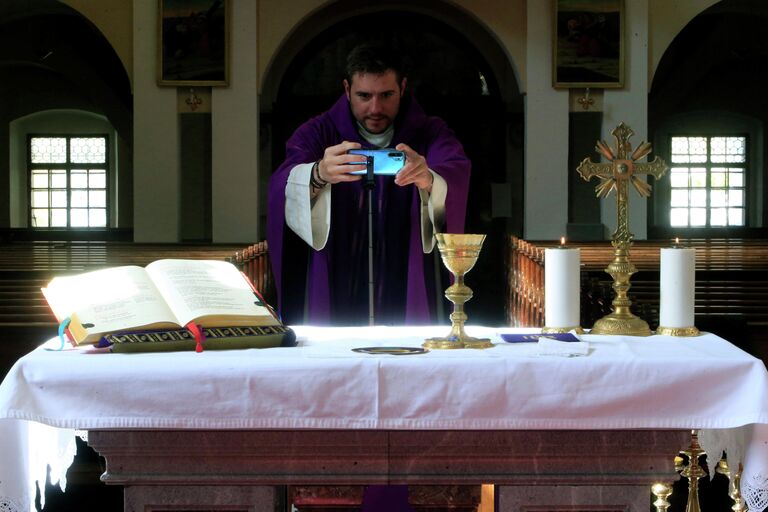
386 498
337 285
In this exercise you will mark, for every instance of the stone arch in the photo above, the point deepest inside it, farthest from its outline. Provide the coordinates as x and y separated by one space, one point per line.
52 57
711 78
459 72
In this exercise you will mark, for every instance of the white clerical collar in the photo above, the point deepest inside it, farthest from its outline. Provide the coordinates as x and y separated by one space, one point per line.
380 140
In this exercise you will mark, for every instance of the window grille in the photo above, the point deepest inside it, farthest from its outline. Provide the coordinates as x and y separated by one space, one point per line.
68 181
708 181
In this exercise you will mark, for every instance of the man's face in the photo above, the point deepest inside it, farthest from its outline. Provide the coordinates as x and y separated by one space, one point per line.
374 99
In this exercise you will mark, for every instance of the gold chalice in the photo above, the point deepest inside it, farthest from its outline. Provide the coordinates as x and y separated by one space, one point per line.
459 253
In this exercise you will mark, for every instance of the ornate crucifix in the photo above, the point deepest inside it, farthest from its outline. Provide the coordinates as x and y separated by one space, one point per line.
621 170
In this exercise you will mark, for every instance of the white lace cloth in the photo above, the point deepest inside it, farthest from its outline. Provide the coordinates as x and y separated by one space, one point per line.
657 382
749 445
28 449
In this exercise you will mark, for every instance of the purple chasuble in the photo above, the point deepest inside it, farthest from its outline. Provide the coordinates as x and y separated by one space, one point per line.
334 280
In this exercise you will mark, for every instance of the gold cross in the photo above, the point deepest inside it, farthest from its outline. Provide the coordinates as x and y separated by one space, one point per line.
622 168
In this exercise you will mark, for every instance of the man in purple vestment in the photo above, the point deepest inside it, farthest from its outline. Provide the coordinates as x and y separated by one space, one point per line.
325 207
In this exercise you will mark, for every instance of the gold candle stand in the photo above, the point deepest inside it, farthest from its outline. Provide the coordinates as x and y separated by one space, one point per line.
693 472
662 491
678 331
734 485
459 253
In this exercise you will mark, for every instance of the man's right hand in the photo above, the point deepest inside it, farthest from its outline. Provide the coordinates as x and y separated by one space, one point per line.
335 164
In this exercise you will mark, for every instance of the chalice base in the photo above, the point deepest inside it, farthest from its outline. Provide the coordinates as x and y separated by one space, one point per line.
442 343
678 331
626 325
477 342
463 342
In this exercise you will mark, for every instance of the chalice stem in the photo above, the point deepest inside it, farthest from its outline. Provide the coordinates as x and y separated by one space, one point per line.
459 253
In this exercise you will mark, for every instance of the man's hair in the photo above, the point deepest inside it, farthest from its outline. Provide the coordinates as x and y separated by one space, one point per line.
374 58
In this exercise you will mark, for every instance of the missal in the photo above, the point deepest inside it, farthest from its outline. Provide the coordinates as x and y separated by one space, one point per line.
165 296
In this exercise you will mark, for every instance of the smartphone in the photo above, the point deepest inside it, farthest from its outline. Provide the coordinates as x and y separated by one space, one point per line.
385 161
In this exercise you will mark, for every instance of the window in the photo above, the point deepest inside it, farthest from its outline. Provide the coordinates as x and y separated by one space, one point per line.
68 181
707 181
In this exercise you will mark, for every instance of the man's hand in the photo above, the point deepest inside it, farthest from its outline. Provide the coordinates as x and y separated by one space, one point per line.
414 171
335 168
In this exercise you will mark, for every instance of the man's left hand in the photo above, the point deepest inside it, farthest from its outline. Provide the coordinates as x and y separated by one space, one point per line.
414 171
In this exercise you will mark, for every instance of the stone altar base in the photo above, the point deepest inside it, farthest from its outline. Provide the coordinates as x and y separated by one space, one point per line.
549 470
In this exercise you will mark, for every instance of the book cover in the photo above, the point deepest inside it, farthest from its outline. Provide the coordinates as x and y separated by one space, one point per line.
534 337
214 338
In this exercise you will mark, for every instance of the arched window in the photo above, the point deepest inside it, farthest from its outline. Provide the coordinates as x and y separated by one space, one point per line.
65 173
68 181
714 186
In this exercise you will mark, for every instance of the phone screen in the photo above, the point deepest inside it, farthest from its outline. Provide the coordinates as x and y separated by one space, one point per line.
385 161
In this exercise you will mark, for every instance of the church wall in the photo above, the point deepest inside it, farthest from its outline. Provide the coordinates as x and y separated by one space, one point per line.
235 136
155 138
522 27
546 134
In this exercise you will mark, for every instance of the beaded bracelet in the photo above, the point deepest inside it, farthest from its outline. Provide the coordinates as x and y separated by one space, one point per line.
314 177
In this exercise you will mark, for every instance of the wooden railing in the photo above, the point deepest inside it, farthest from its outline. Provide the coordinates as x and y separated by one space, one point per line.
731 280
254 262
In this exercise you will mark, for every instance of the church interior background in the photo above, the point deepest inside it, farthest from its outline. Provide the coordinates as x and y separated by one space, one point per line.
73 67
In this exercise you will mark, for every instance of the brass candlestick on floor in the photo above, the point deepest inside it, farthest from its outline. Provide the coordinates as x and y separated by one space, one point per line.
459 253
693 472
621 170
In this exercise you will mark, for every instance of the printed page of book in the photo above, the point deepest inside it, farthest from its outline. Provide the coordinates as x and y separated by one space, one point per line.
213 293
111 299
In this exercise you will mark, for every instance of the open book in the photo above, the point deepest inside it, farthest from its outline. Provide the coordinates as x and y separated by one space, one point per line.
166 294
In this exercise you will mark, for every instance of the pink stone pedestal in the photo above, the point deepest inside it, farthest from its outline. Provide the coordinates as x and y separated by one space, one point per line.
591 470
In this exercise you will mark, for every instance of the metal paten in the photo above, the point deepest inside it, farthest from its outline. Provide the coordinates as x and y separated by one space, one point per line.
621 170
459 253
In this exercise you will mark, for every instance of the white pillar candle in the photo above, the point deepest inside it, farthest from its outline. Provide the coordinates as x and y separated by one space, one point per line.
677 283
561 287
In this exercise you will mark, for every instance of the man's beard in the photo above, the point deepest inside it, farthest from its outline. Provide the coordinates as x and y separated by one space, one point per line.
377 125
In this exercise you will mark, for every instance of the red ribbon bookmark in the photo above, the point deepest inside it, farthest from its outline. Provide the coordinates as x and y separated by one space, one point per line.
198 334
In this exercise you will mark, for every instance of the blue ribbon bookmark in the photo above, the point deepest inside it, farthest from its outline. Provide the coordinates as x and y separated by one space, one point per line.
62 336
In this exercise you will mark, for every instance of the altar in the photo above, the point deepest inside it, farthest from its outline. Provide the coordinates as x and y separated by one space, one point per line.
220 428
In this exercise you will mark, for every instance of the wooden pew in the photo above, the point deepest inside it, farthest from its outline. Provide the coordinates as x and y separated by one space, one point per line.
730 280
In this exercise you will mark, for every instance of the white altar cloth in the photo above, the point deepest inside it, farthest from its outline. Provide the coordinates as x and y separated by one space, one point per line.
657 382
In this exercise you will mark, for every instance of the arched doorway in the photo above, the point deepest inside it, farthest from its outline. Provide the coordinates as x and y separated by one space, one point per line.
709 83
458 72
54 58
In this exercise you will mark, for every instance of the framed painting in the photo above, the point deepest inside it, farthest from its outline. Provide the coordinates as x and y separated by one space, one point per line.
193 42
588 44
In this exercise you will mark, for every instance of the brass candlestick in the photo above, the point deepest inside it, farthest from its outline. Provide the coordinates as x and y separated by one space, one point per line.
693 472
621 170
459 253
662 491
734 484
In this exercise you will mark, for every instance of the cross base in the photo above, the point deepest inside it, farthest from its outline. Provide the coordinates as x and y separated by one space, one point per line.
623 323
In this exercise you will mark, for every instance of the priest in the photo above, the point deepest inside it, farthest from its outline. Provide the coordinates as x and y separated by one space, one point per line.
318 212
